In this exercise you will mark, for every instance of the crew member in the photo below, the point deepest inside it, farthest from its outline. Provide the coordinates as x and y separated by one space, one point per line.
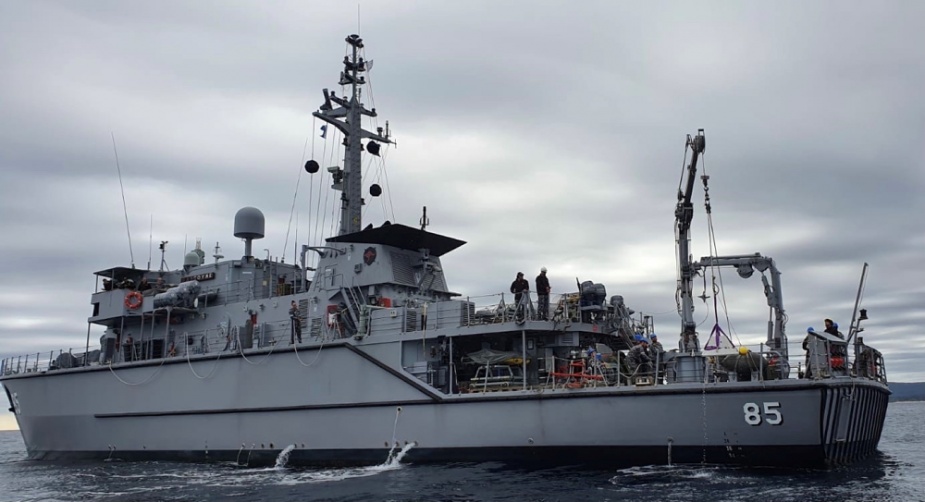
638 358
831 328
295 321
542 294
518 287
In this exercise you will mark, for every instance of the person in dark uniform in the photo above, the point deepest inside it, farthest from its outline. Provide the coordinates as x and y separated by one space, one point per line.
542 295
295 320
518 287
144 285
638 359
832 329
128 352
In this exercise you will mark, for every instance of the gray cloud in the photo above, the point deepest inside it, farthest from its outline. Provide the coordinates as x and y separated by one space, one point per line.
543 133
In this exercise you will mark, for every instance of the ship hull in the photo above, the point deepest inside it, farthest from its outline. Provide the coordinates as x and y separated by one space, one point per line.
245 412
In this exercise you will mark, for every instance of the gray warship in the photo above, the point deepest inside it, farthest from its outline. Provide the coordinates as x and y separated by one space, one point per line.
369 352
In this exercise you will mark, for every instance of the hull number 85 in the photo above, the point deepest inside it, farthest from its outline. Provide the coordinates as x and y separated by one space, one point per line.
768 413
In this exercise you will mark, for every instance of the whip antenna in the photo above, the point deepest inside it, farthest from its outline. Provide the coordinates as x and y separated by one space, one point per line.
124 207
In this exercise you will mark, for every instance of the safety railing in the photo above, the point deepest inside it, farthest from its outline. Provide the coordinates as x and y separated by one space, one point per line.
869 363
56 359
500 308
184 344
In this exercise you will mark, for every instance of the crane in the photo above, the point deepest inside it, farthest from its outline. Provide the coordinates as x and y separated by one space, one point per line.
745 265
684 214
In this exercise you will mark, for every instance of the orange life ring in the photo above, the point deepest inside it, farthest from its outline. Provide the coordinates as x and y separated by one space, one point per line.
133 300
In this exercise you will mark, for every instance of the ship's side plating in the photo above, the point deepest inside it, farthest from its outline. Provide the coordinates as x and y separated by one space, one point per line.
785 422
852 420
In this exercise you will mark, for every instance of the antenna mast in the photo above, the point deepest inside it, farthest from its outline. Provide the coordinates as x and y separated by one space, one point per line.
424 219
163 248
124 207
350 109
150 241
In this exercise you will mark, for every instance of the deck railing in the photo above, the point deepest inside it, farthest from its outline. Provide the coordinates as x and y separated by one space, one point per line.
184 344
762 364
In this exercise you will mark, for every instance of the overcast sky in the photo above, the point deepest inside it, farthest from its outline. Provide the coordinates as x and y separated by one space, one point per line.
542 133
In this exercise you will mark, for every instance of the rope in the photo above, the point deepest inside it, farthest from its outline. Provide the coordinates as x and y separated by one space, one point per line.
295 195
146 380
677 261
714 251
384 173
214 366
267 356
365 178
295 349
677 236
388 188
324 154
311 190
334 151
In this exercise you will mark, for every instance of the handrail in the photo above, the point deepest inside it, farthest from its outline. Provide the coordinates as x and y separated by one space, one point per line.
475 310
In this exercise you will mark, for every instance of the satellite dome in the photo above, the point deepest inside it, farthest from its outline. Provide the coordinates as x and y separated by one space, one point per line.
191 259
249 223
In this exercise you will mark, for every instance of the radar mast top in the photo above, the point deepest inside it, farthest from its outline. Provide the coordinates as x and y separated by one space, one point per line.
346 117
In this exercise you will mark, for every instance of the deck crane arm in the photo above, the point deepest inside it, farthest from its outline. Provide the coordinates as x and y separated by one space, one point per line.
745 265
684 214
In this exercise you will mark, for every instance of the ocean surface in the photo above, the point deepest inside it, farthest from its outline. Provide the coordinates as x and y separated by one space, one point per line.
897 473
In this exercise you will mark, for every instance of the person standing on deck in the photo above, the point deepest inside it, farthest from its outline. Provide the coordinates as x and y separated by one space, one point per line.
295 319
831 328
657 354
518 287
542 294
637 359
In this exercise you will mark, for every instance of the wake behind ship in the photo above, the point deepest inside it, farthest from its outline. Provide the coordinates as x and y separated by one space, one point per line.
361 348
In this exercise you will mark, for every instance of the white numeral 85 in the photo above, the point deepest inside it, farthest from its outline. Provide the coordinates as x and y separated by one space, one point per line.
753 414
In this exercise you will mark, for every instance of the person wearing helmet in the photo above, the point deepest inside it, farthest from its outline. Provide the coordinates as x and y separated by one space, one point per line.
542 295
810 331
831 328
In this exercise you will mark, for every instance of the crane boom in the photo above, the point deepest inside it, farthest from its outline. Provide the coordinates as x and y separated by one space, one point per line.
684 213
